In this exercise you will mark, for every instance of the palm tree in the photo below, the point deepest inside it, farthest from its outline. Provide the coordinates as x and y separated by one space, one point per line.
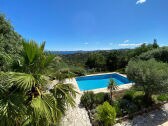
25 97
112 86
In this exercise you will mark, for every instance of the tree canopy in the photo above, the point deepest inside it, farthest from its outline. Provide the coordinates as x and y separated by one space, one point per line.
159 54
96 60
150 75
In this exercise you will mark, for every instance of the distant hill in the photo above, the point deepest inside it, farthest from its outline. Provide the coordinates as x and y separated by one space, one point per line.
78 51
67 52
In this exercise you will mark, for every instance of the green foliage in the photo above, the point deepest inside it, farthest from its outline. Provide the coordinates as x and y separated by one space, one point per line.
131 102
27 98
96 60
159 54
108 60
128 107
11 103
78 71
64 95
116 60
106 114
101 97
144 48
129 95
155 45
112 86
77 59
10 44
151 75
140 101
162 97
116 105
87 100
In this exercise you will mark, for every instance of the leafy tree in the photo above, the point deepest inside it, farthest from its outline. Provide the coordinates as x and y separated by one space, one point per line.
150 75
143 48
155 45
106 114
159 54
112 86
28 95
78 71
112 60
107 60
96 60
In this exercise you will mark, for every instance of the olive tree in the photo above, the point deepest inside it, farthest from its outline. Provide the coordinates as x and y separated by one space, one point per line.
151 75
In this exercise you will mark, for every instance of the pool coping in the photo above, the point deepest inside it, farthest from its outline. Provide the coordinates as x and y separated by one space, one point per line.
121 87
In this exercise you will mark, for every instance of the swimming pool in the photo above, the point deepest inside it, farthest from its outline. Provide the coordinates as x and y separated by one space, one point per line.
100 81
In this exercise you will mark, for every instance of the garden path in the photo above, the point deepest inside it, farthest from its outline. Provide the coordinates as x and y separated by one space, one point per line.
76 116
153 118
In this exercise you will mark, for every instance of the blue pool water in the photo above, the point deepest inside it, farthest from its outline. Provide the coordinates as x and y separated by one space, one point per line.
100 81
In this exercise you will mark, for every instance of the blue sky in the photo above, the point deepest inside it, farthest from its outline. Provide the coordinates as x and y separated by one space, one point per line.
89 24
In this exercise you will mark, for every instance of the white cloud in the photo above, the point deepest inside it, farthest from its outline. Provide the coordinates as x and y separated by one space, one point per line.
86 43
126 41
130 44
140 1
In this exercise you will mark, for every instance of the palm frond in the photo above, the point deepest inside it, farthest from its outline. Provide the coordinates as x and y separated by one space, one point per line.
64 94
112 85
22 80
30 50
27 85
11 107
42 46
45 108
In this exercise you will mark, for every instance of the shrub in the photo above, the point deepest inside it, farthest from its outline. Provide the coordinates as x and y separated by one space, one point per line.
78 71
139 101
162 97
116 105
99 98
90 100
129 95
87 100
127 107
105 114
